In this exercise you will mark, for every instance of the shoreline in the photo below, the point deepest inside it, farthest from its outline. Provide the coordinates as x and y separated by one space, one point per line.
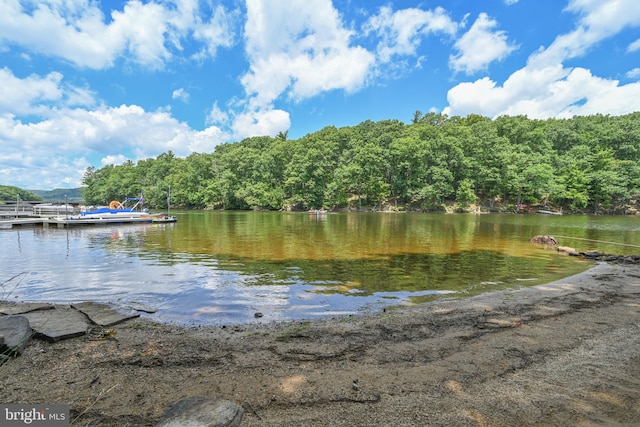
562 353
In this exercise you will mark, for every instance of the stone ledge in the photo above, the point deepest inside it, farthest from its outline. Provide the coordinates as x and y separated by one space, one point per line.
19 322
203 412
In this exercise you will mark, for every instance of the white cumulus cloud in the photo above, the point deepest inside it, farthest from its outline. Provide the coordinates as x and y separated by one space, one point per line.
180 94
261 122
294 56
146 33
480 46
633 47
633 74
544 87
74 138
401 32
300 54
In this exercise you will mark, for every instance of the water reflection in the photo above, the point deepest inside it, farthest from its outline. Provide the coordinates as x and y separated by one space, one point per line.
223 267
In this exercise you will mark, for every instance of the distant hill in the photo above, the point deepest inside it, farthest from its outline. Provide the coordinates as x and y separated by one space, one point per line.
60 195
10 193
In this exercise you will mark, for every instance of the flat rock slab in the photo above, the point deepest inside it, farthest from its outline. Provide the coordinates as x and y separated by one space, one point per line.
103 314
59 324
16 333
203 412
8 308
137 306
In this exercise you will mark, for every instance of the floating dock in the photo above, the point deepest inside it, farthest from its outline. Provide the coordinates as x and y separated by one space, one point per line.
62 222
12 222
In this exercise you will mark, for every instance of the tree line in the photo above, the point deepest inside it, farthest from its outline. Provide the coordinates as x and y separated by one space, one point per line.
11 193
582 164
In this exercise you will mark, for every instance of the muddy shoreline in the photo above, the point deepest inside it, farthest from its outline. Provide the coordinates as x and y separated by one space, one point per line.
564 353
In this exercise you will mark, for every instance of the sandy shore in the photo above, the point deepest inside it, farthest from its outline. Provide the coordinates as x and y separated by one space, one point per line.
565 353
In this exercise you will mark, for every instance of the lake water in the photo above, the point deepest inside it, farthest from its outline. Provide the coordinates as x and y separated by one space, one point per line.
221 268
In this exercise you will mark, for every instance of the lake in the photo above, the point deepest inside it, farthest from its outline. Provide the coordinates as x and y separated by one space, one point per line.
221 268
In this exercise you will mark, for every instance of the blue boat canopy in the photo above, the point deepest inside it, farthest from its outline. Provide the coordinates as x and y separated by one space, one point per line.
106 211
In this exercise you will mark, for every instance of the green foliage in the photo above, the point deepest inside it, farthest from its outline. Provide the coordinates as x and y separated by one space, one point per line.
465 195
585 163
9 193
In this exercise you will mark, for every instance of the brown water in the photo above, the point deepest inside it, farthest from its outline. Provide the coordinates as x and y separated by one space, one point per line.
223 267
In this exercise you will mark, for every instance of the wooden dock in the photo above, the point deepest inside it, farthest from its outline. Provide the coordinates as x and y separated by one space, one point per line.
10 223
62 222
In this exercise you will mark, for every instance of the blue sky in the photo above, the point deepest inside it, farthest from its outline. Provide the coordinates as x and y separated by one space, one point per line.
89 83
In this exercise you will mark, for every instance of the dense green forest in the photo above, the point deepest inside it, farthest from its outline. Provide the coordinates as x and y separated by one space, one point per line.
9 193
583 164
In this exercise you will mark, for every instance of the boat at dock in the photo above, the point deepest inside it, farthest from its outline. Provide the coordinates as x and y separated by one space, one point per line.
119 212
69 221
131 211
115 214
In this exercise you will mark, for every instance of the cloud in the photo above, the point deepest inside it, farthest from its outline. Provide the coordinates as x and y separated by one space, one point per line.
545 92
401 32
293 57
300 54
95 136
38 94
480 46
633 74
633 47
180 94
54 130
131 129
606 18
215 33
24 96
545 87
144 33
217 117
598 21
28 152
206 140
113 159
261 122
